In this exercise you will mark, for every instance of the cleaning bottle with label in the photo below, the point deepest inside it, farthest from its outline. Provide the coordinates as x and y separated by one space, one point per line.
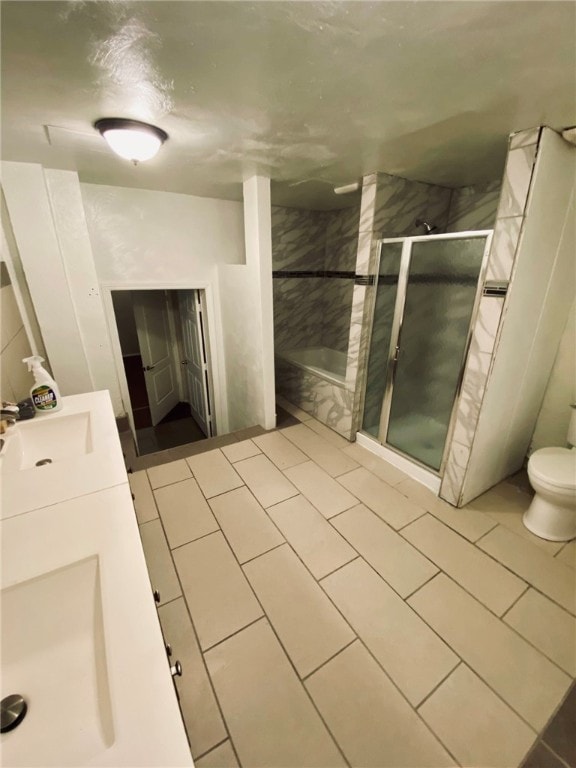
45 393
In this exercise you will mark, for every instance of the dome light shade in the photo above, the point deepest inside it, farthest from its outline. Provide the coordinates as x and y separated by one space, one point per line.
131 139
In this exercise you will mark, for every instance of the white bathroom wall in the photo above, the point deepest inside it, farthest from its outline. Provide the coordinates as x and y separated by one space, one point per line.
15 381
552 425
247 317
13 263
540 296
35 235
148 237
76 251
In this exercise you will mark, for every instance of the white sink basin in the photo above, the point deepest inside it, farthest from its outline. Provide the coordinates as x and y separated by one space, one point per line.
53 654
40 442
81 641
81 444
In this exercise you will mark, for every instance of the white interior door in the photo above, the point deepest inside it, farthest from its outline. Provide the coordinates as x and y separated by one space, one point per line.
157 350
194 362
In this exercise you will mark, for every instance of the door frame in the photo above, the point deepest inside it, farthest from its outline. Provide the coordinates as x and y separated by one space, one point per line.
212 330
398 317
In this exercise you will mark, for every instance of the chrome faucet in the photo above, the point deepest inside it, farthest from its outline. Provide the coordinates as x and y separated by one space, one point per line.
9 414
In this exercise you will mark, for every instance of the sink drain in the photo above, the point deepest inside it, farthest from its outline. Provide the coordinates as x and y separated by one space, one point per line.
43 461
13 712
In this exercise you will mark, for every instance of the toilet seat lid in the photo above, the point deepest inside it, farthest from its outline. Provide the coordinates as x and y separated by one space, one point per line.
555 466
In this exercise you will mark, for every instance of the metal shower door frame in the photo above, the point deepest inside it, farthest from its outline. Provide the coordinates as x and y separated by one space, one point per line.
396 332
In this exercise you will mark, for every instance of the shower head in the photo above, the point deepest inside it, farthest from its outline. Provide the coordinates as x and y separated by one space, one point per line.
427 227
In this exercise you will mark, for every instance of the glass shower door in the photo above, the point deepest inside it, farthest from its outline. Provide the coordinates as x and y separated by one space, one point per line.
440 295
379 373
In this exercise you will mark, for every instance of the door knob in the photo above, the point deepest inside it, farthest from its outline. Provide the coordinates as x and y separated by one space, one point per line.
148 367
183 362
176 670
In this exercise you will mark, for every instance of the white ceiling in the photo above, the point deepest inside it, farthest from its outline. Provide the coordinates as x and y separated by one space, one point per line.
295 90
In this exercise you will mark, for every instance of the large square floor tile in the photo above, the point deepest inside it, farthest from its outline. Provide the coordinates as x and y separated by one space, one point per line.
411 653
218 595
373 724
270 718
309 627
475 725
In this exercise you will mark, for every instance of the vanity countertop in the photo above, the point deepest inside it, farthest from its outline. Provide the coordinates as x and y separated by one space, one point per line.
81 638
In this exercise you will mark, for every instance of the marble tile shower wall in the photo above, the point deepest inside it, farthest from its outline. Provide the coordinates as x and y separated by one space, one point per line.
298 245
473 208
313 311
515 186
340 256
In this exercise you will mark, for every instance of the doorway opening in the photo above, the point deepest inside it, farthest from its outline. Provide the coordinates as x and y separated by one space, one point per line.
166 361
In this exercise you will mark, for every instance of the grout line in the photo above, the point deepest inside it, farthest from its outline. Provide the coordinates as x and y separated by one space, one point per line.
493 559
419 587
521 595
405 599
199 538
193 627
270 624
556 755
476 671
162 603
222 493
309 674
339 568
251 560
403 695
199 757
168 485
424 512
233 634
430 693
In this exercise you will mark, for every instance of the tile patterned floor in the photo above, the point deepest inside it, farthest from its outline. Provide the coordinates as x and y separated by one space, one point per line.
328 611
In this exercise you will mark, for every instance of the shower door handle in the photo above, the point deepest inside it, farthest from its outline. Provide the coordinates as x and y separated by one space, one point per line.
396 354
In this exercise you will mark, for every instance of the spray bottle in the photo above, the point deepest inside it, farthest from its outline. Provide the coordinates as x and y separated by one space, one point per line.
45 393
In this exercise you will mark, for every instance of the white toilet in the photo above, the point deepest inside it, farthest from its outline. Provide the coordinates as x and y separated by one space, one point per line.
552 474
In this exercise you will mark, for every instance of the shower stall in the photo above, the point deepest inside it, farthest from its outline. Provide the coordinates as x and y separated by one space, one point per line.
426 294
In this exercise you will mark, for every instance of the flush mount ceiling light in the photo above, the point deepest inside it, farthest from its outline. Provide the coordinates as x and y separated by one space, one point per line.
131 139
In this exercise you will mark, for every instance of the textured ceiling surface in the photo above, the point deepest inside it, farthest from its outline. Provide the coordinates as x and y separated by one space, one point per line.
313 94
